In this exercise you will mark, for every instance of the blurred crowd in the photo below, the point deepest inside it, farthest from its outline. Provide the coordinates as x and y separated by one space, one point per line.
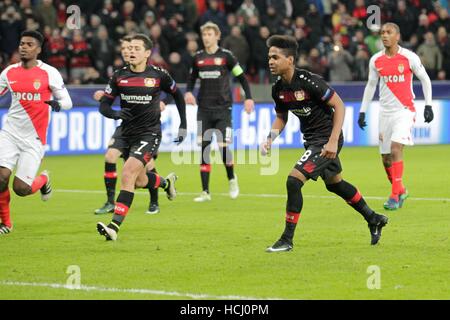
333 37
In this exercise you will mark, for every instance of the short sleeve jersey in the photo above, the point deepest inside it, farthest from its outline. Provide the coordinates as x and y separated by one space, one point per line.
214 71
306 97
140 92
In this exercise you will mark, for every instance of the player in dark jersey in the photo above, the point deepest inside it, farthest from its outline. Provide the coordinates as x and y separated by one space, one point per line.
139 87
213 66
321 113
115 150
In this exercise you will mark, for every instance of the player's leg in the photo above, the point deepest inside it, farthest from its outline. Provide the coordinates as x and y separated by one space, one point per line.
225 137
386 159
204 137
5 198
154 205
353 197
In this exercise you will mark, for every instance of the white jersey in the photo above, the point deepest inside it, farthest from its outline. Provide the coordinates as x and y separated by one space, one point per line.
28 116
395 76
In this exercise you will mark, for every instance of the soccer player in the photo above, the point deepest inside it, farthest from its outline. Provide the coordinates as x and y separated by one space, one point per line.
115 151
213 66
394 67
36 89
321 114
139 87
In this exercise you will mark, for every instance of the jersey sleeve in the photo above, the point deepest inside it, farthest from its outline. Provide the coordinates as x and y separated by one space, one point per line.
317 87
278 103
3 83
168 85
193 75
371 85
111 90
419 70
233 64
59 90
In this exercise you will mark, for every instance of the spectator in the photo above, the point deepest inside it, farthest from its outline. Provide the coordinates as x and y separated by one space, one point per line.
339 62
405 19
430 55
174 35
247 10
11 26
361 65
187 57
177 69
271 19
424 27
251 33
26 9
110 18
160 44
259 55
191 14
237 44
357 43
360 11
79 56
231 22
150 5
92 76
314 22
102 51
373 40
61 14
412 44
443 20
443 42
46 14
128 13
214 14
148 21
316 63
57 52
304 45
94 23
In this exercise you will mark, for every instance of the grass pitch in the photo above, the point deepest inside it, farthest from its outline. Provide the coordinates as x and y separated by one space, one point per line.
215 250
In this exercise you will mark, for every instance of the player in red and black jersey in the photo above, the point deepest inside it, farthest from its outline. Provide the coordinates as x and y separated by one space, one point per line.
321 113
139 87
214 66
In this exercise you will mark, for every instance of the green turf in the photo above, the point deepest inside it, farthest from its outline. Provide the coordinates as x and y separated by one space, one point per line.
217 248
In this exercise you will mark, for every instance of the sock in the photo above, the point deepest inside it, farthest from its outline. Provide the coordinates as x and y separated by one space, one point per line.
123 204
389 173
294 205
153 191
397 182
205 170
38 183
227 159
155 181
353 197
5 215
110 181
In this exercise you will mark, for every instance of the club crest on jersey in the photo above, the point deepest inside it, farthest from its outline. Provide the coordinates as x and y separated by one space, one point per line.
150 82
218 61
37 84
401 68
299 95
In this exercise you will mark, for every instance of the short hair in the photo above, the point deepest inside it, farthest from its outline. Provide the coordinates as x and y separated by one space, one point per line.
126 39
287 44
210 25
148 44
393 25
33 34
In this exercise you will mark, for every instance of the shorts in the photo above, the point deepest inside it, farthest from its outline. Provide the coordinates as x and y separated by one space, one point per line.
312 165
218 122
144 147
118 141
395 127
25 154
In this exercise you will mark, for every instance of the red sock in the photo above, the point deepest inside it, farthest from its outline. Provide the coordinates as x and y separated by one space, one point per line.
38 183
292 217
397 176
389 173
121 209
5 216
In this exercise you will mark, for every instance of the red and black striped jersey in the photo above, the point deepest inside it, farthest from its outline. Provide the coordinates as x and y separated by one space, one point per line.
306 97
140 92
214 71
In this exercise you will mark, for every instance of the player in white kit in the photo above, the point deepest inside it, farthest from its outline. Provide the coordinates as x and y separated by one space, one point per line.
394 67
36 88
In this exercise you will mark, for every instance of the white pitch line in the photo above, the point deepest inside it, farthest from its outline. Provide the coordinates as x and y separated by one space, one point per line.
256 195
137 291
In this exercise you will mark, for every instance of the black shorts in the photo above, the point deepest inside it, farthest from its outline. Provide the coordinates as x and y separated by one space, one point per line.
118 141
312 165
218 122
144 147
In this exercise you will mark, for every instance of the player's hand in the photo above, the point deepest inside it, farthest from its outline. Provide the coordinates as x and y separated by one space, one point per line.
125 114
54 104
362 120
162 106
265 147
98 95
428 114
330 149
182 133
189 98
249 105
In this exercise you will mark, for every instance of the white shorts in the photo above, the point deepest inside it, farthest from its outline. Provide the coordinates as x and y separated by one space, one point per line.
26 155
395 127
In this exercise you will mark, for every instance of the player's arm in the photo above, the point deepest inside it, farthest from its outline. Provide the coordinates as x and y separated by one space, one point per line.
107 100
330 149
421 74
169 86
238 72
277 128
3 83
61 98
369 92
189 98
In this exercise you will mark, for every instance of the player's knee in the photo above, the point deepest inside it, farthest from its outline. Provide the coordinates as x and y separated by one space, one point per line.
293 184
111 157
22 190
333 187
4 180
